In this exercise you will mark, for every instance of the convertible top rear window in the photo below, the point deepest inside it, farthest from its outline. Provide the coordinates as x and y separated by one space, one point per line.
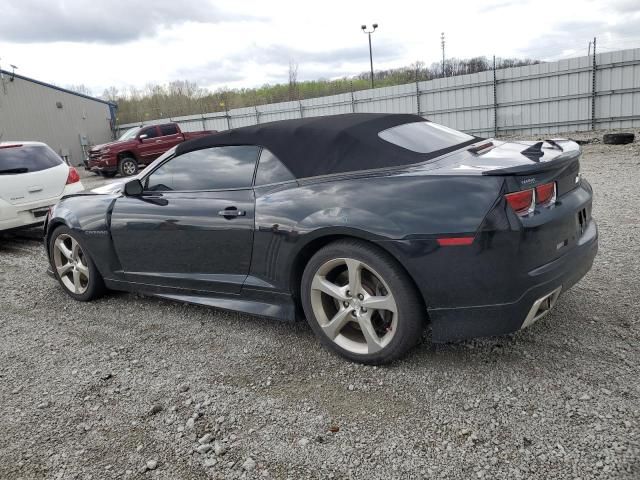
424 137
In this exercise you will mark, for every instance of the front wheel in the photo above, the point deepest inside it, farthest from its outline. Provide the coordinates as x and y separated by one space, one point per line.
73 267
128 166
361 303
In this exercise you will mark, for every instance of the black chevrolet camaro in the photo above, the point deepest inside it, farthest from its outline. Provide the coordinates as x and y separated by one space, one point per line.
371 226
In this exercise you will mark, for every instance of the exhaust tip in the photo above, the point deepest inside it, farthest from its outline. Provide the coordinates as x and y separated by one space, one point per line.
541 307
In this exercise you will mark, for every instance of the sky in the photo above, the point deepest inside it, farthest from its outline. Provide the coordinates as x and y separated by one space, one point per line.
248 43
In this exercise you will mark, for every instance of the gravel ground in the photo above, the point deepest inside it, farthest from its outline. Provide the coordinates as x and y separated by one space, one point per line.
135 387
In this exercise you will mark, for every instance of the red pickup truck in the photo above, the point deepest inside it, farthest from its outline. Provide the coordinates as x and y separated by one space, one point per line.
137 147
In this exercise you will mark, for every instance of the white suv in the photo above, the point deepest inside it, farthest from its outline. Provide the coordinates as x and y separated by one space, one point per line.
32 178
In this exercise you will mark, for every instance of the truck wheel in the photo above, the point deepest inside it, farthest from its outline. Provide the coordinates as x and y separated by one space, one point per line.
128 166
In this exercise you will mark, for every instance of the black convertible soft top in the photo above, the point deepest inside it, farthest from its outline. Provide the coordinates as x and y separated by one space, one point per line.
323 145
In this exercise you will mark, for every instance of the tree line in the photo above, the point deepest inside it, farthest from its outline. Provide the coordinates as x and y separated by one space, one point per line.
184 97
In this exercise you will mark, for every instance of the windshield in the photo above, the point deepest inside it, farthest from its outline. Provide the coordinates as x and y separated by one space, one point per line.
129 134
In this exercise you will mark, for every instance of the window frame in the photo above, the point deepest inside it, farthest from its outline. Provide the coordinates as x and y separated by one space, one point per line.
255 173
174 125
145 178
142 130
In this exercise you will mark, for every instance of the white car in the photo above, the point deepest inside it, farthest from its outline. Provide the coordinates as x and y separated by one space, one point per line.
32 178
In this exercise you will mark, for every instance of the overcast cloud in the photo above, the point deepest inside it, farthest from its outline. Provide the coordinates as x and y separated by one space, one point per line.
112 22
243 43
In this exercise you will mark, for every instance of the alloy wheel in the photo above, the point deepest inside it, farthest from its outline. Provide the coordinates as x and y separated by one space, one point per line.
354 306
71 264
128 167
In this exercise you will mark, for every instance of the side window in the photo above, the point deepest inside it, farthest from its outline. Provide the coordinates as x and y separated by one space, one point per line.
216 168
150 132
170 129
271 170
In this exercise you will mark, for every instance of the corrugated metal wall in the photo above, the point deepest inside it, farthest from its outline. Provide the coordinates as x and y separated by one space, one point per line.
546 98
28 111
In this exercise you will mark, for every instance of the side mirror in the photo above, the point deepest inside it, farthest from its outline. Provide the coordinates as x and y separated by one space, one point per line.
133 188
142 137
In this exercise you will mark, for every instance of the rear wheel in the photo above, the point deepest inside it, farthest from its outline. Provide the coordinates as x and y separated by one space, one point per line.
361 303
128 166
73 266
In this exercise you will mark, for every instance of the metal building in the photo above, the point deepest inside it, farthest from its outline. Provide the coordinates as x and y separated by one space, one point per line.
67 121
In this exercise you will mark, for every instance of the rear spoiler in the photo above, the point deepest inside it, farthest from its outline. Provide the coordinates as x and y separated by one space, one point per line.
558 162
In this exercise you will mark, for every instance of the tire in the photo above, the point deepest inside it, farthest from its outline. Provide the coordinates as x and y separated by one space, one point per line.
127 166
618 138
348 322
74 269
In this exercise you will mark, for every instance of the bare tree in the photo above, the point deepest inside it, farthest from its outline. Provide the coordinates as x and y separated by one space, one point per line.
80 88
110 94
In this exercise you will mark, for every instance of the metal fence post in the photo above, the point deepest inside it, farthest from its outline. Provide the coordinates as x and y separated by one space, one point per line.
593 88
353 100
495 100
255 107
417 93
301 108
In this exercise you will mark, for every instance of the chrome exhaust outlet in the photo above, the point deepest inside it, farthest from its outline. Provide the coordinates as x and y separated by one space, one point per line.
541 307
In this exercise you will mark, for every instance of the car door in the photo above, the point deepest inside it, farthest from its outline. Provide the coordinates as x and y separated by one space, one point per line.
150 146
192 228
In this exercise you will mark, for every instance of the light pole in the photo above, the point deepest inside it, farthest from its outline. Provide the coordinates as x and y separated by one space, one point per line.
369 32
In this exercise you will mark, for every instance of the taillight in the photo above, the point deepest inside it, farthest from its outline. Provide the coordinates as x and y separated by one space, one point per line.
546 193
73 176
523 202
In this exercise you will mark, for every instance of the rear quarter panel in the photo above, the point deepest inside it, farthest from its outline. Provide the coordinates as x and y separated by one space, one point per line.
378 209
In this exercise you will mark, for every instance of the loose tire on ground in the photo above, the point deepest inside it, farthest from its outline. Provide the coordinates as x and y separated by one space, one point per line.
361 303
618 138
127 166
73 267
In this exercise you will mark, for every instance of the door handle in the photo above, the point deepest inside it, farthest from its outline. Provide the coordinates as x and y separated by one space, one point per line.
232 212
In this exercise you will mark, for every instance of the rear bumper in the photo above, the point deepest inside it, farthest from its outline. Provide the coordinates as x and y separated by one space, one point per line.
25 215
556 277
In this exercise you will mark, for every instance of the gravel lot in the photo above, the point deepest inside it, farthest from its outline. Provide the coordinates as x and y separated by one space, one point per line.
133 387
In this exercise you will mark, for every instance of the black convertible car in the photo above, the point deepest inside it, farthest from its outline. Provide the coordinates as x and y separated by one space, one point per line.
371 226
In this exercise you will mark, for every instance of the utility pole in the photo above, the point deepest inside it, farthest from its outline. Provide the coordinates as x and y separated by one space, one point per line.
442 44
369 32
593 88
